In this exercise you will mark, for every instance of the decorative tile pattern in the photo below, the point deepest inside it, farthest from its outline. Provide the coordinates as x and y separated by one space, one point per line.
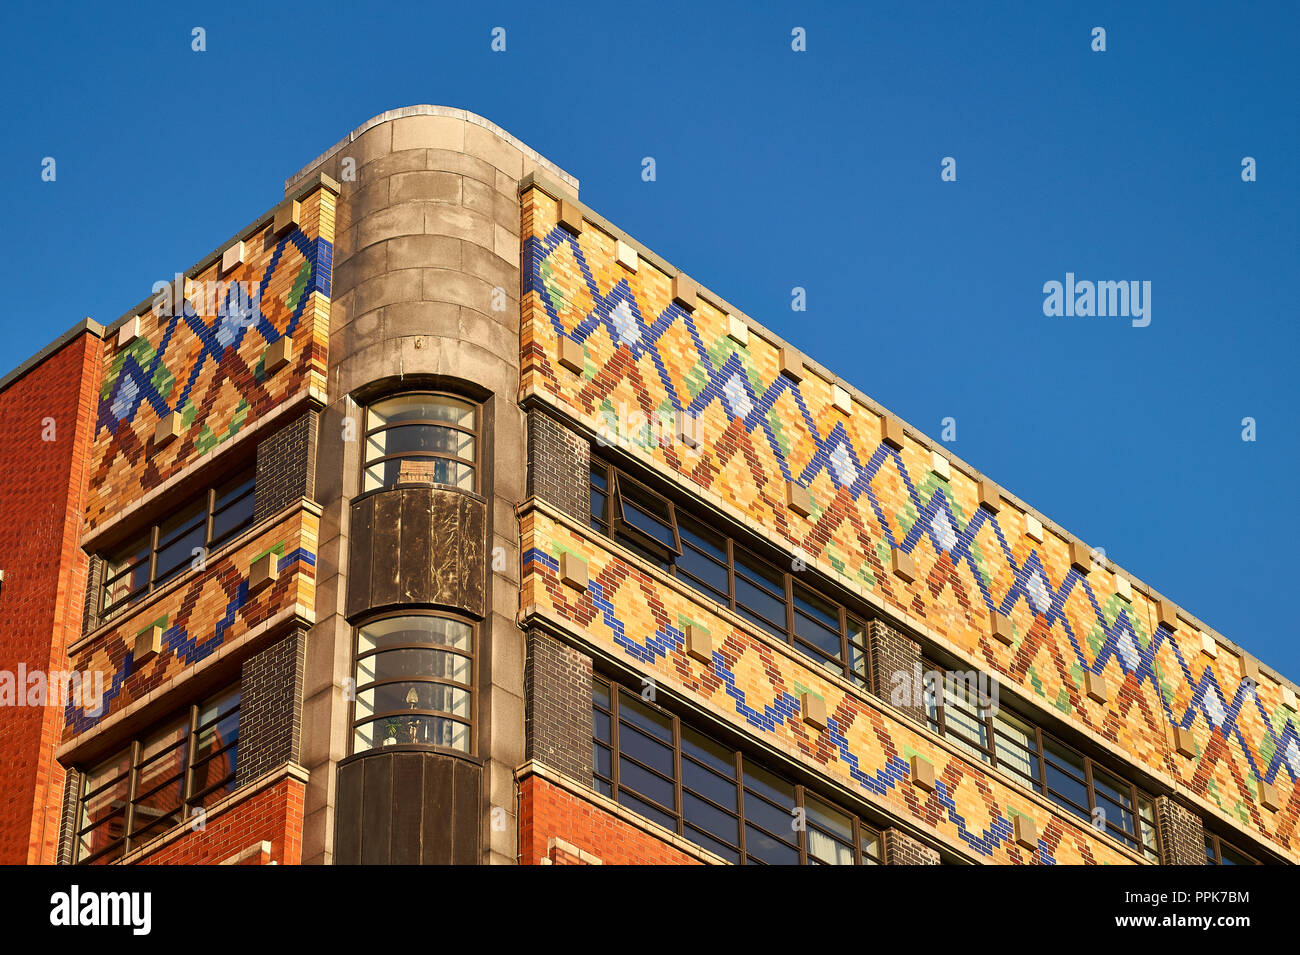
205 362
864 746
647 357
208 609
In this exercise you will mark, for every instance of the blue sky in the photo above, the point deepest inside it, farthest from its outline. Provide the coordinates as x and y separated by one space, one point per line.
778 169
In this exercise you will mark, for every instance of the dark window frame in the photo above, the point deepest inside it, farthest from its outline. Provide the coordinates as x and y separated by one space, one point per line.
864 836
475 464
146 545
741 565
134 836
470 686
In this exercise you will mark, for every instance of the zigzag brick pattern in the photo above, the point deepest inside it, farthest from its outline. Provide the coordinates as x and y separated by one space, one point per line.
757 684
206 610
643 354
205 360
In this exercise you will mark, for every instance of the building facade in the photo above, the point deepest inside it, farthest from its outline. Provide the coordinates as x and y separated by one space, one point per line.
432 519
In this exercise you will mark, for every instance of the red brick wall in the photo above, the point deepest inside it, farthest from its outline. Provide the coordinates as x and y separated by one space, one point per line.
547 811
273 815
42 490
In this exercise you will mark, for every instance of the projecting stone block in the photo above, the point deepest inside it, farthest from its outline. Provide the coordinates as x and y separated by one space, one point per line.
288 215
573 571
1124 588
1094 684
570 215
791 364
940 466
902 565
1267 794
1184 742
167 430
922 773
278 354
627 256
148 644
737 330
1025 831
990 497
798 498
685 293
128 331
263 572
699 644
688 429
572 356
891 432
1080 557
1033 528
232 258
813 710
841 399
1250 669
1000 628
1167 614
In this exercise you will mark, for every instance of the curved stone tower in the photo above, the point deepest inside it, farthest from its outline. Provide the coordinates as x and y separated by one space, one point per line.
425 301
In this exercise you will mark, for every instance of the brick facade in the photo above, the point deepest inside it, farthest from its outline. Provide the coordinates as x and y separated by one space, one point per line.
286 466
1182 835
557 706
273 815
46 418
895 657
548 812
902 849
270 707
559 465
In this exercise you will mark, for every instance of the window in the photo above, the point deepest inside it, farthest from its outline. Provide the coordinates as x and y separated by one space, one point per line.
1218 852
726 573
159 781
421 439
667 771
166 551
1073 781
414 684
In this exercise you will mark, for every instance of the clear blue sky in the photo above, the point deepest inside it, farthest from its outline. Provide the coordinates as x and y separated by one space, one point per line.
779 169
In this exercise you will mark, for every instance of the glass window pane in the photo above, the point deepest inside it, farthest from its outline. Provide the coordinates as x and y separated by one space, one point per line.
705 782
766 849
769 785
646 513
709 752
412 730
779 820
408 664
632 742
402 697
828 851
420 471
421 408
395 631
417 438
827 817
655 723
710 819
177 557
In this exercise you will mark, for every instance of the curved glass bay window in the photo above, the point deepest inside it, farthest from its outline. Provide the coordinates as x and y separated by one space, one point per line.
421 439
414 683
